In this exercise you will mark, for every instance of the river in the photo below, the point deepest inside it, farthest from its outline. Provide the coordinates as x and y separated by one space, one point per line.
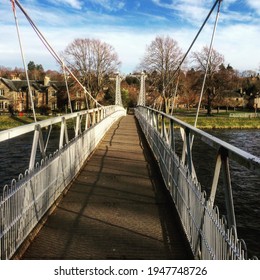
14 158
245 184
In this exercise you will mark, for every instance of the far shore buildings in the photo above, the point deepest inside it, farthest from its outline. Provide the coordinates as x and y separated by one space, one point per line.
14 95
48 96
51 96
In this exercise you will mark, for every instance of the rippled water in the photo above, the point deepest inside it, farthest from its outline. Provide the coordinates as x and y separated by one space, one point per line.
15 156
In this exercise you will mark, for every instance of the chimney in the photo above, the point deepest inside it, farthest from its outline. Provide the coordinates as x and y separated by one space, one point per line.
14 77
46 81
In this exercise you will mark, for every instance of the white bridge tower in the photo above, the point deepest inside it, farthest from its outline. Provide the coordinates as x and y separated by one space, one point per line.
118 97
141 97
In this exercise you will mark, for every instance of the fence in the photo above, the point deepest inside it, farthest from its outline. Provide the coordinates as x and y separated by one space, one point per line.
244 115
210 236
26 200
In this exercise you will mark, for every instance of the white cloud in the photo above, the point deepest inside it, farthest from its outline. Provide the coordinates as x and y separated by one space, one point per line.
238 44
254 4
194 11
110 5
76 4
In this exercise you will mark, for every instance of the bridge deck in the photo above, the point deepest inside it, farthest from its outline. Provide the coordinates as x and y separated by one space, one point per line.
117 207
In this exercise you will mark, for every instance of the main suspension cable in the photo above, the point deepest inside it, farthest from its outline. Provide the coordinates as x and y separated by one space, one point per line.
195 39
23 59
208 61
67 87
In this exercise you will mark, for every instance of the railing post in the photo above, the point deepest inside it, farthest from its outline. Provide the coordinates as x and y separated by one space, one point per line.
37 138
78 127
2 228
154 120
87 120
223 160
183 136
162 127
215 179
101 114
228 190
63 132
157 121
98 115
93 117
188 147
172 137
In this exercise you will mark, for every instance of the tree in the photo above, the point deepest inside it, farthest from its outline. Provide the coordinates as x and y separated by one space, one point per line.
251 88
91 61
161 60
216 63
188 88
4 72
36 71
9 73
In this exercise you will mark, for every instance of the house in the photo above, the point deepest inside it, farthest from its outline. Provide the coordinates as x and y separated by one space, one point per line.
4 100
14 95
257 101
233 99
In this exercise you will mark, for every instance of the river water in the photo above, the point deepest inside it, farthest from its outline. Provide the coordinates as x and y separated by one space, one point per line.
15 154
245 184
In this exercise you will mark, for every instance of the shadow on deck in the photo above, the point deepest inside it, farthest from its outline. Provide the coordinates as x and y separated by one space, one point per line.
117 208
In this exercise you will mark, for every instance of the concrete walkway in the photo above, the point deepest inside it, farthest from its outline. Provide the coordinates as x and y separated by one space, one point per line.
117 208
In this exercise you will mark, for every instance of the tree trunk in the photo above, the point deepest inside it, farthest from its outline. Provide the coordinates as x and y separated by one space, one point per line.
167 105
209 105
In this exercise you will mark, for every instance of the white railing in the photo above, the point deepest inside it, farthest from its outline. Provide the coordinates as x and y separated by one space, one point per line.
27 199
210 236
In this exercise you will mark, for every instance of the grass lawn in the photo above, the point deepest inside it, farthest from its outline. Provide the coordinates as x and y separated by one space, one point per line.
7 121
219 120
205 122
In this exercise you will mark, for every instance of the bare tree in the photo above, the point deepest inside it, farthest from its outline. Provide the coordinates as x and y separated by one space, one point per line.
212 88
187 88
91 60
161 59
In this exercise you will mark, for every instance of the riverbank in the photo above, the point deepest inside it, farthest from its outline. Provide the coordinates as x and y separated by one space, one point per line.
217 121
7 121
222 122
220 119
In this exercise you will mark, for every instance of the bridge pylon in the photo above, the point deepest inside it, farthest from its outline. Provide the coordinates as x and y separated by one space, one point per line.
118 97
141 97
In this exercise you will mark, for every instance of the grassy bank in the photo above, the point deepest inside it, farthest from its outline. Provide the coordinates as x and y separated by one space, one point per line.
222 122
7 121
217 121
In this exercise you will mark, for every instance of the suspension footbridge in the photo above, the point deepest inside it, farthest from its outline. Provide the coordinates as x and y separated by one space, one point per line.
116 208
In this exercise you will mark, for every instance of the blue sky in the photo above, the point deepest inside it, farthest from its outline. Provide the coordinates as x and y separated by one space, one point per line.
129 26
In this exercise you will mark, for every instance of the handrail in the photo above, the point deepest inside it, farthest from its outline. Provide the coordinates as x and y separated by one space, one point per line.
244 158
210 236
20 130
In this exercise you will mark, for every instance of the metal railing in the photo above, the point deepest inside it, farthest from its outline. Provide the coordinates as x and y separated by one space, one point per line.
210 236
27 199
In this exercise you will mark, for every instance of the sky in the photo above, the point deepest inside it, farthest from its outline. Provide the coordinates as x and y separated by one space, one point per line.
130 26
